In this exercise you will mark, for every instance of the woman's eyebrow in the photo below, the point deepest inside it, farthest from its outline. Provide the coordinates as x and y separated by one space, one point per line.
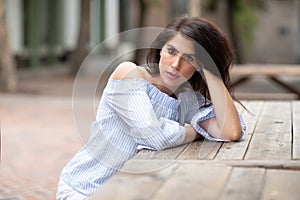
189 54
172 47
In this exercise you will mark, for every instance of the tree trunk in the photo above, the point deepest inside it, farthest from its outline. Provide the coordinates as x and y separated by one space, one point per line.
7 64
143 7
81 51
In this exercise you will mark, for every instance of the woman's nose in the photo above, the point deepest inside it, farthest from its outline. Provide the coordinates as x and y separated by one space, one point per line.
176 63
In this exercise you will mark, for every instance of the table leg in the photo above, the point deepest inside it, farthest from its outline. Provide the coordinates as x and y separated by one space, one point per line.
285 85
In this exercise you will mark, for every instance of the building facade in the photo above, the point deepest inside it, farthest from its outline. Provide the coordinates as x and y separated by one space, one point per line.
50 28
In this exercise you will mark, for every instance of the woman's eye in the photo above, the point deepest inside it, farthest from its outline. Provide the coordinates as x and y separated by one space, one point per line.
171 51
189 58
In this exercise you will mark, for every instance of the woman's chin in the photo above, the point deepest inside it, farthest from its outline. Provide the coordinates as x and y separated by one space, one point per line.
173 84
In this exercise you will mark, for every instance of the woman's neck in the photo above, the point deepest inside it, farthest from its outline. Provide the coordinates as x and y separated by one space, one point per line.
163 88
158 83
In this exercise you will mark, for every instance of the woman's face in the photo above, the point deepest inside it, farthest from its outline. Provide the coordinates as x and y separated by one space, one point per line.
177 61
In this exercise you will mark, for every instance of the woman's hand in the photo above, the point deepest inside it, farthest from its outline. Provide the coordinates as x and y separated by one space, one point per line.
191 134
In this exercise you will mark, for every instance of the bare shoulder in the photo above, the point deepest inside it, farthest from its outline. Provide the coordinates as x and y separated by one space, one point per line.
127 70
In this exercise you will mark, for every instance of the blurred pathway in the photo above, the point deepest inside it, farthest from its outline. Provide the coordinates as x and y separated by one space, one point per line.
38 137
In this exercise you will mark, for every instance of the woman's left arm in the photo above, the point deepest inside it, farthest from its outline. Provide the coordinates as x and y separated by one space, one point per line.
226 124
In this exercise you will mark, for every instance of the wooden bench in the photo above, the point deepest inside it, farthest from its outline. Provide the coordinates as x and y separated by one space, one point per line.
264 165
242 73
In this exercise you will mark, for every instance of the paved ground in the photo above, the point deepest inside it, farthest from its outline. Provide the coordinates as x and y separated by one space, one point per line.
39 135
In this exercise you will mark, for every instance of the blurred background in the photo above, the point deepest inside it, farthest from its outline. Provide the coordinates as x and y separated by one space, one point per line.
43 43
47 34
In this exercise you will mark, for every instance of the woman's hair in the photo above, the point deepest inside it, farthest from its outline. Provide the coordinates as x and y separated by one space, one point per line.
205 35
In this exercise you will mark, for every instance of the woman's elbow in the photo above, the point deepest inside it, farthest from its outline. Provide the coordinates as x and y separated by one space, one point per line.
234 134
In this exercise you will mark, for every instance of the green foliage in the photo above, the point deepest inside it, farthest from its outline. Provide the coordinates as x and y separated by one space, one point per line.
245 19
212 5
155 3
152 3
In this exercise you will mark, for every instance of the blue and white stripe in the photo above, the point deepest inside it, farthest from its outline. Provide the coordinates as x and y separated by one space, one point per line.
132 113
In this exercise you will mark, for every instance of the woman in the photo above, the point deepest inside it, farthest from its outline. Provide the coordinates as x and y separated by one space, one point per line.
182 94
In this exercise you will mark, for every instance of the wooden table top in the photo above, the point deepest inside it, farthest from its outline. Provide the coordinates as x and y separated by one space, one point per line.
264 165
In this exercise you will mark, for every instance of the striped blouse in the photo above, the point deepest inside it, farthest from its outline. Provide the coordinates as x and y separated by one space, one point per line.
133 113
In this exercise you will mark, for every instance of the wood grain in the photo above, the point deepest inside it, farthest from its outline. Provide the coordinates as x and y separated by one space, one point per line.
243 183
296 130
237 150
193 182
272 136
281 184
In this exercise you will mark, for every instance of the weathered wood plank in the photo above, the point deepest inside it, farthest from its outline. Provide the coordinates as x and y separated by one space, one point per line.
237 150
281 184
243 183
146 166
272 136
267 70
268 164
296 130
200 179
201 150
266 96
128 186
210 170
193 181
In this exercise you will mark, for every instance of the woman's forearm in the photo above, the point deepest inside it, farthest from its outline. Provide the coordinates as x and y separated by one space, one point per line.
191 134
227 118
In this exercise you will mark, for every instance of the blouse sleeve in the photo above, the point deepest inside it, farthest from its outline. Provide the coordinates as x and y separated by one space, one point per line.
132 104
196 109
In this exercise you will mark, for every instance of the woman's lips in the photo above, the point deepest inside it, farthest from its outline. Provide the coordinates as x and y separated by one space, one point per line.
172 74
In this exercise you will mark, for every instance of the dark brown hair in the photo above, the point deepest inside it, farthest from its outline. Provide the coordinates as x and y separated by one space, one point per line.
208 37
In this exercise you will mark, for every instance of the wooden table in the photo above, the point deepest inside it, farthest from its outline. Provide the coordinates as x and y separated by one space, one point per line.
272 72
264 165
